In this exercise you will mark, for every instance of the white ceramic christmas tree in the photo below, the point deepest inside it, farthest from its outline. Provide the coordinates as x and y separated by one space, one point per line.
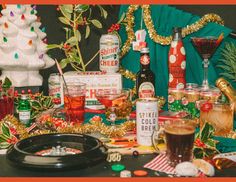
22 46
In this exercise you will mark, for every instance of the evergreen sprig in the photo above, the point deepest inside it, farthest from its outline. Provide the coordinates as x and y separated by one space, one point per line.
228 62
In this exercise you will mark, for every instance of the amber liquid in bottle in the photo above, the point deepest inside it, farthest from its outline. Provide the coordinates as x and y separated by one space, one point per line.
145 79
227 89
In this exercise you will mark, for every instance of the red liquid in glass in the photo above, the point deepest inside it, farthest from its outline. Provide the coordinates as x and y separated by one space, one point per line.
6 106
205 46
75 108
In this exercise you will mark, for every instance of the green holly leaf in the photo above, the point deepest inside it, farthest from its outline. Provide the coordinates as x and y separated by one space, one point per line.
211 143
72 41
81 8
2 138
78 35
96 23
5 130
63 63
66 10
35 105
198 152
206 132
64 20
53 46
7 83
87 32
4 145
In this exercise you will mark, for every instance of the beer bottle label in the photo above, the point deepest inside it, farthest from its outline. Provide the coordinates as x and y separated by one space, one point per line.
146 90
145 59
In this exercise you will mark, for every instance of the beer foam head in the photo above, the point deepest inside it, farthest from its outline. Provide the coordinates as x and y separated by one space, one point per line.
179 130
180 127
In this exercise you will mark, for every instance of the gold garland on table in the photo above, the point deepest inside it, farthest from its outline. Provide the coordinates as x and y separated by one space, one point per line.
163 40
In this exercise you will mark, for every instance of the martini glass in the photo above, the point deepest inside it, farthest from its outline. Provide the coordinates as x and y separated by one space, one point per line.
117 103
206 47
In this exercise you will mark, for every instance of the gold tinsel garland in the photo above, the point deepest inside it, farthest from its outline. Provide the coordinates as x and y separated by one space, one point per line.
93 126
163 40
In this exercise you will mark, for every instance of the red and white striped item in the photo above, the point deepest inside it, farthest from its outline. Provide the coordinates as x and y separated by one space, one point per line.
160 163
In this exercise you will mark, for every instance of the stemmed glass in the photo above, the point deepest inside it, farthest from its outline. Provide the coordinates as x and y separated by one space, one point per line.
206 47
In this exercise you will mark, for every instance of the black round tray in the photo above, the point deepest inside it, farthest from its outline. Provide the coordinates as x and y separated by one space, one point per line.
23 153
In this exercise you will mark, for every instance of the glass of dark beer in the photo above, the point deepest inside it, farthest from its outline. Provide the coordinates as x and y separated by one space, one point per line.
179 138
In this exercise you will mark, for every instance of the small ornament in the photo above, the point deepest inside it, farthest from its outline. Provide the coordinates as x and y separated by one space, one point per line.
32 12
16 56
30 42
4 39
11 14
45 40
18 6
41 56
140 40
43 29
34 7
23 17
32 29
5 25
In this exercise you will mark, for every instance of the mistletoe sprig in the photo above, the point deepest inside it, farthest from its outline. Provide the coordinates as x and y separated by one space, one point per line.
205 145
76 18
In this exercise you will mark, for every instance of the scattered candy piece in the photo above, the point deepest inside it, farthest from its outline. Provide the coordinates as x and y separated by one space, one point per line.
125 174
117 167
135 153
34 7
4 39
204 167
11 13
32 29
32 12
186 169
140 173
16 56
18 6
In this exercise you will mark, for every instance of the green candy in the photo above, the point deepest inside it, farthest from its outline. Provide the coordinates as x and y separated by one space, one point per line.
117 167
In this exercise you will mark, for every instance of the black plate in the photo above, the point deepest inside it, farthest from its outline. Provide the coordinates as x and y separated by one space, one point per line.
23 153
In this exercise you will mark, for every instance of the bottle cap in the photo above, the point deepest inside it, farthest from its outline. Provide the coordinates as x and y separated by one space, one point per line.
125 174
145 50
24 97
117 167
177 30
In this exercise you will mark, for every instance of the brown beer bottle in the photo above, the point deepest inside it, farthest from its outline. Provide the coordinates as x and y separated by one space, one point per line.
145 79
227 89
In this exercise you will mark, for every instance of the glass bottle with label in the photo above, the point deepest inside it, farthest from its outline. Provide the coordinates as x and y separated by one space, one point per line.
177 61
145 79
24 110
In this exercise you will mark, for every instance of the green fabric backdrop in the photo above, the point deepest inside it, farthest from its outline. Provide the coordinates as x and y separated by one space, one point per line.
165 18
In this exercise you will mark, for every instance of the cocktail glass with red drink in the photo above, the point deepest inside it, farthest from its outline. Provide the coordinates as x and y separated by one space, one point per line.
117 103
6 101
74 101
206 47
